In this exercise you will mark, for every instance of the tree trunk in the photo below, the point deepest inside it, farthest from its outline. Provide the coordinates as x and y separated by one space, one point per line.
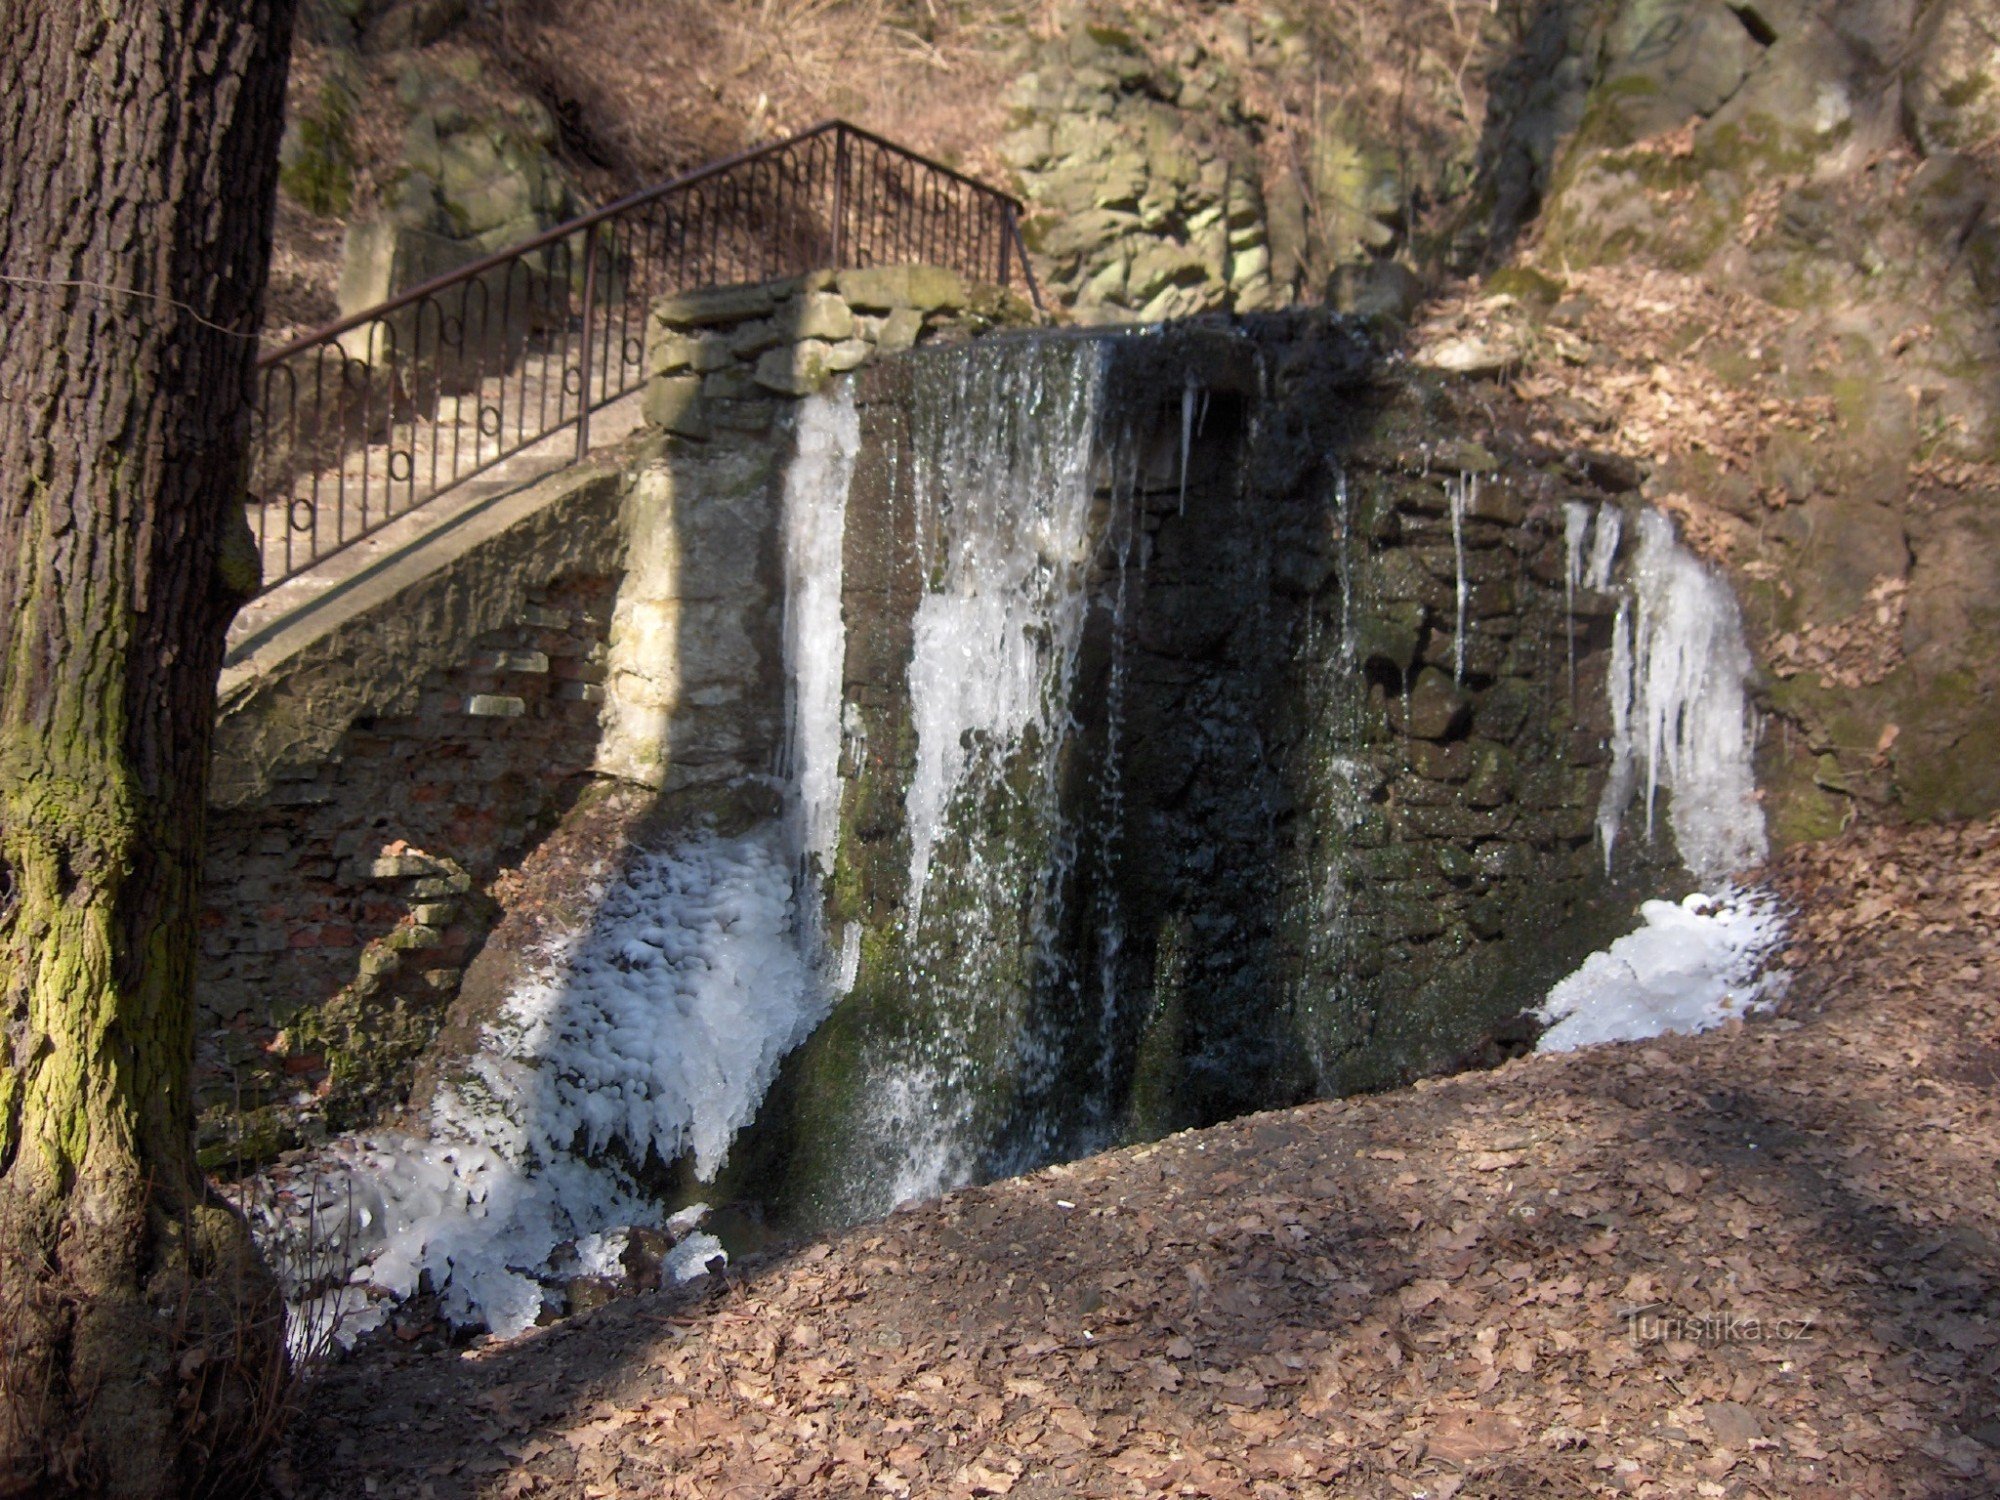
140 1345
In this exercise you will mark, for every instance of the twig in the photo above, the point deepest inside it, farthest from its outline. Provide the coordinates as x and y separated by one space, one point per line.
129 291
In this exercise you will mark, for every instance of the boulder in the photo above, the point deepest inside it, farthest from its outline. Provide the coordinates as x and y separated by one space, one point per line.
672 403
1951 85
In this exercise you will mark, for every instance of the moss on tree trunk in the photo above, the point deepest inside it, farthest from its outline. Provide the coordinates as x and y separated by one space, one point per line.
140 1344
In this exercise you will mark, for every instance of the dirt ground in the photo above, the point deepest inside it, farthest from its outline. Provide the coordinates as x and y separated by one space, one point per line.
1760 1262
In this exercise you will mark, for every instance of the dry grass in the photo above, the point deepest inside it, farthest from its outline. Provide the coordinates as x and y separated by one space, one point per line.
650 89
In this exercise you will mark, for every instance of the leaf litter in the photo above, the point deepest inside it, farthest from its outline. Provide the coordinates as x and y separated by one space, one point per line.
1757 1262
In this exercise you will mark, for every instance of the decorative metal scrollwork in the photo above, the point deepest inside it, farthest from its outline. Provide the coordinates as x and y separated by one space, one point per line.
302 513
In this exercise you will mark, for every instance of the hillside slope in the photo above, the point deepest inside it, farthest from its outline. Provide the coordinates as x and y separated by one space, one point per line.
1757 1262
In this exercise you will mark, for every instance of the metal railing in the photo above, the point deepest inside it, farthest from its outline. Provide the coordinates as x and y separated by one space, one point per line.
365 419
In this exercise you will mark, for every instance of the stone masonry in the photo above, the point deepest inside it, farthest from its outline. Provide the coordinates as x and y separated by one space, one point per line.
372 785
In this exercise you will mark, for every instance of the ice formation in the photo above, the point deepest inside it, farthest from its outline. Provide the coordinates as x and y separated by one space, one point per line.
1680 710
1461 493
660 1026
1005 469
1008 464
815 527
352 1228
655 1027
1694 965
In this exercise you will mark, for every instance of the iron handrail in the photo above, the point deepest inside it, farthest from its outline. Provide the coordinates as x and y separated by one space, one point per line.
348 413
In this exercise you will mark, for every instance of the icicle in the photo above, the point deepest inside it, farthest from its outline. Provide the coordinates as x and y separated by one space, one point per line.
1604 548
1192 394
1461 493
1576 531
1576 528
1618 783
1342 500
815 639
1696 733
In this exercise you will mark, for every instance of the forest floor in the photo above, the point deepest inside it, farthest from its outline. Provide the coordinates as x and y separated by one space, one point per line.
1763 1262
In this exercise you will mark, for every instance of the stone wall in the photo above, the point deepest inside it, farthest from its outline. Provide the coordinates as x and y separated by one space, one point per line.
695 686
340 907
1321 843
1233 161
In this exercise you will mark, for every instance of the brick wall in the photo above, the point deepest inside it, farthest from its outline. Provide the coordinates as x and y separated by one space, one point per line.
341 907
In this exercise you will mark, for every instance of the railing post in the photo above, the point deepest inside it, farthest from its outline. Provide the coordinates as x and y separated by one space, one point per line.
586 352
839 197
1006 243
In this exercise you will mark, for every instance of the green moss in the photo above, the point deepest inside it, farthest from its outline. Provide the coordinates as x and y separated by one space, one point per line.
1526 285
318 170
1966 91
231 1142
1801 812
1948 784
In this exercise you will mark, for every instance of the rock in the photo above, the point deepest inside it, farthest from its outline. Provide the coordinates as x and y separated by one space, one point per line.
1028 147
849 354
1492 781
1119 183
887 288
380 258
1436 708
1463 456
1160 265
669 352
1613 473
1497 502
1082 234
900 331
1250 265
795 369
820 315
588 1293
715 305
1468 355
1673 60
673 404
646 1252
748 340
1950 94
415 23
1384 289
1184 302
1107 285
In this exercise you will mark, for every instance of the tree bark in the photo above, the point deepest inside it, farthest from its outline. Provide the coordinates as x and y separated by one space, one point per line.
140 1345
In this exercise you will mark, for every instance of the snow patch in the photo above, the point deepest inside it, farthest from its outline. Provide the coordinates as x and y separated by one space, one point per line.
1694 965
